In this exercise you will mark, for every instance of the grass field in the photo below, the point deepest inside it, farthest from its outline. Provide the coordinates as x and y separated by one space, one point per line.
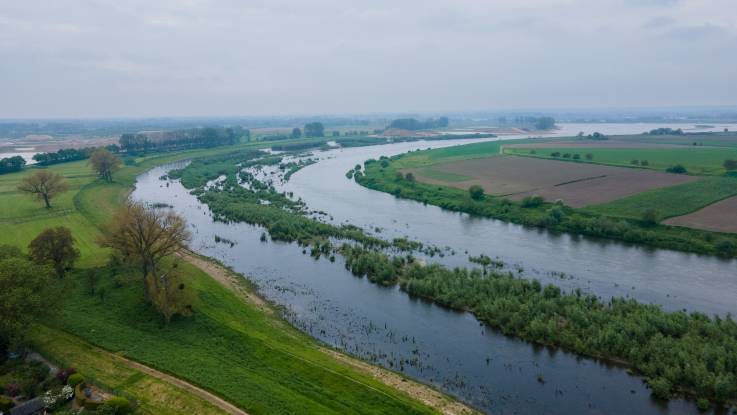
249 357
253 359
697 160
154 396
671 201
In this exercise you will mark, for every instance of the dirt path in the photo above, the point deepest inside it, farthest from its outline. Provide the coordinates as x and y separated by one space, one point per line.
199 392
416 390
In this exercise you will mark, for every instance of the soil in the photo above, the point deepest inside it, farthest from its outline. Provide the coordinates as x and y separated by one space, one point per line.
576 184
718 217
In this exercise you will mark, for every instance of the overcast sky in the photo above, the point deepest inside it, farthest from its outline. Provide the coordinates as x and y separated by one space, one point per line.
90 58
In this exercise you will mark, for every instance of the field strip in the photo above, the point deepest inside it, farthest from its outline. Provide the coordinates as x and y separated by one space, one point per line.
172 380
23 219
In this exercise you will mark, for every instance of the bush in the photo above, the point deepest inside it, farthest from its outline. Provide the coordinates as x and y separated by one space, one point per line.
635 162
577 156
660 387
555 154
119 404
644 163
589 156
726 247
567 155
677 169
730 164
650 217
476 192
532 201
75 380
6 404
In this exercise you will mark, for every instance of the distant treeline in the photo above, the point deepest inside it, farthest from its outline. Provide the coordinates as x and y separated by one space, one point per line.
11 164
538 123
69 154
182 139
413 124
665 131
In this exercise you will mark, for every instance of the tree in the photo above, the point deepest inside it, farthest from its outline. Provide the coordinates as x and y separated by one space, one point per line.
25 294
55 247
44 185
11 164
476 192
296 133
170 295
650 217
146 235
104 163
314 129
730 164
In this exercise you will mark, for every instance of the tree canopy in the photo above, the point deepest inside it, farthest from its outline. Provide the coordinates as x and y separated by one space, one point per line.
296 133
413 124
104 163
55 247
11 164
145 235
44 185
314 129
25 294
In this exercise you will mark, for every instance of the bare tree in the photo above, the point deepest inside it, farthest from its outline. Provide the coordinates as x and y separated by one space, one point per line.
146 235
44 185
104 163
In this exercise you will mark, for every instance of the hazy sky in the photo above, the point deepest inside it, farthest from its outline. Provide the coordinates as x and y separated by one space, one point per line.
90 58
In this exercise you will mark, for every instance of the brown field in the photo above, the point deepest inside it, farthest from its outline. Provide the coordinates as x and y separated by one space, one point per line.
717 217
576 184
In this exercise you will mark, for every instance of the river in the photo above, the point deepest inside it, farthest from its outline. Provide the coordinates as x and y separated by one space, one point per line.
448 349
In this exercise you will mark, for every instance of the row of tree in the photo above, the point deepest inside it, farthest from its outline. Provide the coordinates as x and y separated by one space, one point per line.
413 124
182 139
69 154
11 164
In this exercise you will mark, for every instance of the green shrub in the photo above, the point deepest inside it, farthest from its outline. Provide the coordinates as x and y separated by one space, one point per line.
476 192
6 403
75 380
119 404
532 201
677 169
726 247
650 217
660 387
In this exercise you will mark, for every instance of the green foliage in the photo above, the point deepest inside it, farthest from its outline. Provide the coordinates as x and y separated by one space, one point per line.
532 201
314 129
730 164
26 293
119 405
75 379
476 192
677 169
650 217
54 247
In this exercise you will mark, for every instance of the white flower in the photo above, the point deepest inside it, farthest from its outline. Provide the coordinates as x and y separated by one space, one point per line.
67 392
49 398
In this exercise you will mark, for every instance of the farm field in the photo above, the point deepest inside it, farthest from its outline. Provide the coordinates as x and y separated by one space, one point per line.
671 201
697 160
577 185
718 217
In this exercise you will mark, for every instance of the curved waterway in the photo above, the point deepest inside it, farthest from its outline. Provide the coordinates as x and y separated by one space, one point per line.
452 350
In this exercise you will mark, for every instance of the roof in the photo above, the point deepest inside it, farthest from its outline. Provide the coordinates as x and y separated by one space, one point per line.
32 407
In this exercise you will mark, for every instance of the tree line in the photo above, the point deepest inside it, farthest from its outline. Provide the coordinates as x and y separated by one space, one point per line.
12 164
414 124
182 139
